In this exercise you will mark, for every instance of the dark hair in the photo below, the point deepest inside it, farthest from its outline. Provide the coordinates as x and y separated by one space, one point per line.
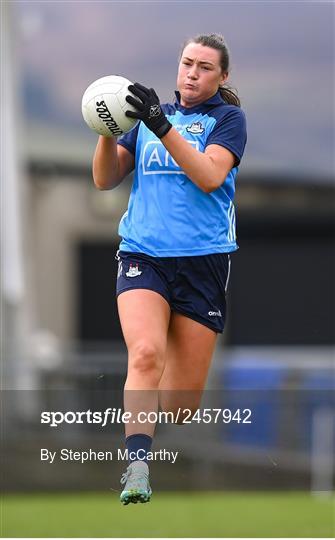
216 41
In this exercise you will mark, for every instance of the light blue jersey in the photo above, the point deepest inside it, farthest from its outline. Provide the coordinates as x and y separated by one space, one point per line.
168 215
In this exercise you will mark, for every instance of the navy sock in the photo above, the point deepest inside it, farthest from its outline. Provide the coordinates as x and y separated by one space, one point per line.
138 445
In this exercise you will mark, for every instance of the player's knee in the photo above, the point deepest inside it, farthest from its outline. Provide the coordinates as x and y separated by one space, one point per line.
145 358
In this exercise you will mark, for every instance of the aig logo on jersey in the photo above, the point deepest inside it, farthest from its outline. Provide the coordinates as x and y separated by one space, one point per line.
156 159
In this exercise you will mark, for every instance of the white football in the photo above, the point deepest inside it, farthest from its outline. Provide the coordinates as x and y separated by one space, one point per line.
104 105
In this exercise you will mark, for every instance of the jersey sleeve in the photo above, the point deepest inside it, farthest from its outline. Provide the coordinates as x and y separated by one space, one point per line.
128 140
230 131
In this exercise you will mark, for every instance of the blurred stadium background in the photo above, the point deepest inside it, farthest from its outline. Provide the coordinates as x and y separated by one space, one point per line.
61 338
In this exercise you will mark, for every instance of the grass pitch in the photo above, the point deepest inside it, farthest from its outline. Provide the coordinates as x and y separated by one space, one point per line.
202 514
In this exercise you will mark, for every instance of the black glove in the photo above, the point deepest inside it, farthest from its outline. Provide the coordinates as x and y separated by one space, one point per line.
148 109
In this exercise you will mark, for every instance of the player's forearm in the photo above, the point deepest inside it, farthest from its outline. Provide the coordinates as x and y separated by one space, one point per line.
199 167
106 173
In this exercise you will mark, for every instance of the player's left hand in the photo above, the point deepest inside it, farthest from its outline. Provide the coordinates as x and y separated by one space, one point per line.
148 109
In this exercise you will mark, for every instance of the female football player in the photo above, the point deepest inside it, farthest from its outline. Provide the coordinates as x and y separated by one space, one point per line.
176 235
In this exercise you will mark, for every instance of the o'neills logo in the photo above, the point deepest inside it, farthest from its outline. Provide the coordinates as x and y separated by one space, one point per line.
106 117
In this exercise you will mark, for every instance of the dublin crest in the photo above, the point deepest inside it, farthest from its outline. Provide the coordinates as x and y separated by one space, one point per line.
133 271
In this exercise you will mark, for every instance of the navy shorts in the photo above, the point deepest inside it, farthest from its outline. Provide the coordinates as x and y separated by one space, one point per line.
193 286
